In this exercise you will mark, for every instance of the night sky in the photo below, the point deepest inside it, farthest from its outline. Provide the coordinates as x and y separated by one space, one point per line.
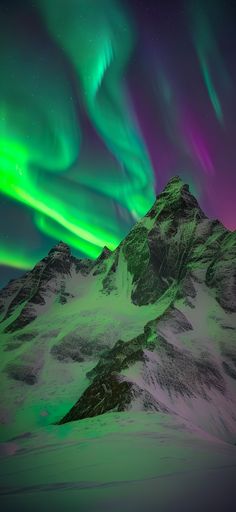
101 103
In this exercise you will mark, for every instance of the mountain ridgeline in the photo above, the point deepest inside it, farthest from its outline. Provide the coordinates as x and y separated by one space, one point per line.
150 326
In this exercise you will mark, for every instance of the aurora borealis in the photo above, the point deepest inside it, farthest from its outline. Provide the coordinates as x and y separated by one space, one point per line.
101 102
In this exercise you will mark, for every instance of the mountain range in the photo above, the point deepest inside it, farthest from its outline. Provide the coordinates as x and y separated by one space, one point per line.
150 326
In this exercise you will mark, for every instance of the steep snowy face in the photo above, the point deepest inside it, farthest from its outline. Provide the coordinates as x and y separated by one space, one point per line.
173 241
183 364
34 292
176 239
176 365
149 326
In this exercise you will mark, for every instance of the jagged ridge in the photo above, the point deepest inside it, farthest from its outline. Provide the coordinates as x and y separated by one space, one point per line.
173 260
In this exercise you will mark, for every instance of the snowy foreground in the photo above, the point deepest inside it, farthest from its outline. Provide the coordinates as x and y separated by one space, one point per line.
134 462
147 331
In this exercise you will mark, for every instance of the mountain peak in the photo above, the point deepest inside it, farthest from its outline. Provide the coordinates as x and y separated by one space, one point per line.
175 188
175 200
68 315
60 247
175 180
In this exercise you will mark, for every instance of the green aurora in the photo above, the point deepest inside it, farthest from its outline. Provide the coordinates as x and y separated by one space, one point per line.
210 59
40 136
101 103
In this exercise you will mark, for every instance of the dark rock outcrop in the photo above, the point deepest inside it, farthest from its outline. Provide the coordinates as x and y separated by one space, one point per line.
173 258
161 366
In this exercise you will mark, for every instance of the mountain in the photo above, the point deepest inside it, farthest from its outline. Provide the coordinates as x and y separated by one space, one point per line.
150 326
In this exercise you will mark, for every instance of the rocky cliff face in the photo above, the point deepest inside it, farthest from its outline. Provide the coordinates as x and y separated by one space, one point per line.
174 240
47 278
150 326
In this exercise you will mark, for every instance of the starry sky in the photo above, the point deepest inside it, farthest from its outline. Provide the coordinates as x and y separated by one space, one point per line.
101 103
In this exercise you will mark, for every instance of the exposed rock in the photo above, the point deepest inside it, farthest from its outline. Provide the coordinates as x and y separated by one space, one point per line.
175 320
48 276
100 264
76 348
162 366
229 370
23 373
221 273
175 265
25 370
111 394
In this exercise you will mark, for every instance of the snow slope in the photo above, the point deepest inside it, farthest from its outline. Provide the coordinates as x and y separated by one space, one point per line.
150 326
134 462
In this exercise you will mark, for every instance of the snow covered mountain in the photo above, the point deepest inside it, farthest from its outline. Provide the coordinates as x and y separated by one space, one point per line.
150 326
